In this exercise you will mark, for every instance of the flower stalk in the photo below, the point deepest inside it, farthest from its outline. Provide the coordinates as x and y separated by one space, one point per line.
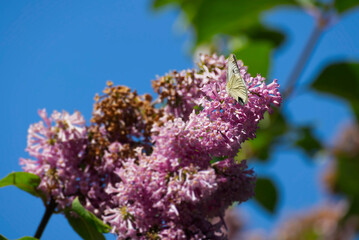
45 219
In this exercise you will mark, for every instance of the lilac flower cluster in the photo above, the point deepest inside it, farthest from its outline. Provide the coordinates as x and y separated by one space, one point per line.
174 192
179 177
58 144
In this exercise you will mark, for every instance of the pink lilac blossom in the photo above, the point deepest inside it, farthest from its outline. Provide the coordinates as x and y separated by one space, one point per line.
174 192
181 91
58 144
98 176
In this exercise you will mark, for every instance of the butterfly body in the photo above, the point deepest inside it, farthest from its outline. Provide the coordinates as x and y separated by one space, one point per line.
236 86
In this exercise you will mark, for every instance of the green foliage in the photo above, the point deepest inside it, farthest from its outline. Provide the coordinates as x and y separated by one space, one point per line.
83 228
212 17
27 182
233 21
198 109
308 142
345 74
271 131
23 238
261 33
347 179
343 5
218 159
266 194
255 55
85 223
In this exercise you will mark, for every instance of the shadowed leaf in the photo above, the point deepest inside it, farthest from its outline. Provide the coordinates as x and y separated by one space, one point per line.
343 5
308 142
256 56
266 194
341 79
270 133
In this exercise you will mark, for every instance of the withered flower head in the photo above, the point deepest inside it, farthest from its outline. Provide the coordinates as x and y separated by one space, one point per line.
123 116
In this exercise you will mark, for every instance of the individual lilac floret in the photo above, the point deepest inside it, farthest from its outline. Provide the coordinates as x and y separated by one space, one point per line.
191 175
58 145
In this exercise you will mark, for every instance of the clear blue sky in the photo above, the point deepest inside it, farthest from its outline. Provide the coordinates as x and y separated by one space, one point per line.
58 54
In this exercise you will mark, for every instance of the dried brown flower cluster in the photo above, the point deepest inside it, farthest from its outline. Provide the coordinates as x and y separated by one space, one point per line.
182 91
125 117
177 89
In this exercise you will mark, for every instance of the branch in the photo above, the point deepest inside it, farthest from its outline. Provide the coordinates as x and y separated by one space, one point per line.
303 59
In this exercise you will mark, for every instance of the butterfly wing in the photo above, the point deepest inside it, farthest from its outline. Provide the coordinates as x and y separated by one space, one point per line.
236 86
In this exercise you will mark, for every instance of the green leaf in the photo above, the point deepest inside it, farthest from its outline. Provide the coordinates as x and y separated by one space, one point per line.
255 55
23 238
347 176
27 182
218 159
214 21
86 224
83 228
341 79
198 109
90 217
308 142
261 33
266 194
271 131
343 5
212 17
162 3
347 179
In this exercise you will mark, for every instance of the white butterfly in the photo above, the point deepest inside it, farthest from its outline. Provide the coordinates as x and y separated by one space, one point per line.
236 86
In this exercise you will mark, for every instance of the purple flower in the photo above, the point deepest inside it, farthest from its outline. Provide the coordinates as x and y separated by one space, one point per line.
58 145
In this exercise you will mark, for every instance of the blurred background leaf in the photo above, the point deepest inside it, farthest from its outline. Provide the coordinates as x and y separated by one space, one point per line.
308 142
341 79
270 133
266 194
236 23
256 55
343 5
212 17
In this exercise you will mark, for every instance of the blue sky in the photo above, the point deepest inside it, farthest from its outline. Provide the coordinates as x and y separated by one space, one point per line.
58 54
